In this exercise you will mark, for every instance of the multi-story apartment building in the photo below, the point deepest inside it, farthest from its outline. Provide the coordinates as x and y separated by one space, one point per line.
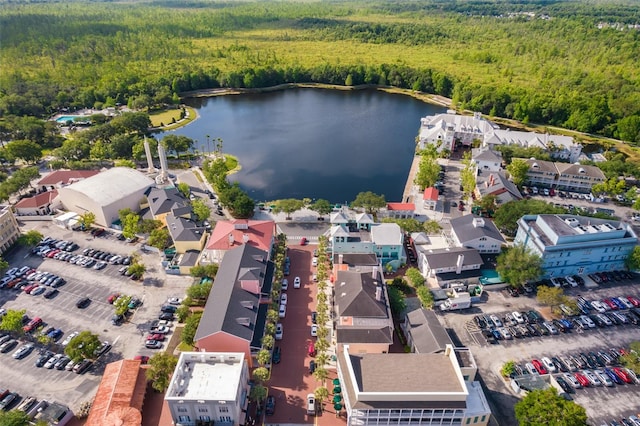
9 230
209 388
563 176
570 244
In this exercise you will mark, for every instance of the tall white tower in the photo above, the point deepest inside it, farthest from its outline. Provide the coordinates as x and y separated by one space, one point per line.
147 151
163 161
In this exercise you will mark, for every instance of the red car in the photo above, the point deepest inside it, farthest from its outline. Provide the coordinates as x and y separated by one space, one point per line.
622 374
112 298
582 379
634 301
30 287
610 304
303 241
156 336
142 358
52 253
539 367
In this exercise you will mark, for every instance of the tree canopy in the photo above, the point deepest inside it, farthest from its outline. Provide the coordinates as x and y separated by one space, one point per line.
546 407
161 368
517 265
83 346
507 216
288 206
369 201
518 170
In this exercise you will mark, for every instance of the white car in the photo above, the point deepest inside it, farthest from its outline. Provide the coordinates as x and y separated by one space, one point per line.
67 340
314 262
296 282
593 379
571 281
530 368
598 306
550 366
174 301
518 317
572 380
285 284
314 330
283 311
279 331
283 299
556 283
603 378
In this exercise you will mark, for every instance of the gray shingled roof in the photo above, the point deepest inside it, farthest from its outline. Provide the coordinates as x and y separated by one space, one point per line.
355 295
229 305
182 229
356 259
428 335
163 200
465 229
189 258
352 334
447 258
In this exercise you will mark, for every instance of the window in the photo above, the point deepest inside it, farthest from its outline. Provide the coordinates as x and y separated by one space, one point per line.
203 410
223 409
483 418
475 419
184 418
225 418
182 410
205 418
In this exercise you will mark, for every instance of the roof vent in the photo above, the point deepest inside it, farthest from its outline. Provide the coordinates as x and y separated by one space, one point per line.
582 171
247 304
244 321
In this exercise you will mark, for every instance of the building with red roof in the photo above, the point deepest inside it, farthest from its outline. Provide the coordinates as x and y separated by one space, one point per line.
120 395
66 177
401 210
38 205
229 234
430 198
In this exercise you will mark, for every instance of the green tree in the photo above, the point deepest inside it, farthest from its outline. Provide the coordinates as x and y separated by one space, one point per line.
190 328
260 374
12 321
200 209
268 341
321 393
125 163
415 277
87 220
369 201
428 171
263 357
121 304
14 418
130 225
321 374
4 265
148 225
518 170
425 296
137 270
288 206
160 238
507 216
508 368
200 292
322 207
550 296
258 393
25 150
488 203
431 227
30 238
161 366
517 265
209 270
184 189
407 225
83 346
468 175
546 407
633 260
396 302
631 360
177 143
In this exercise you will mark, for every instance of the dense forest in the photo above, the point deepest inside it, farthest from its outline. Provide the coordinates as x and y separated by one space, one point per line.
546 62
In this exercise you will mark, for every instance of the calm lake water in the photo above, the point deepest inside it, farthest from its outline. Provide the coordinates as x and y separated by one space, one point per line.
314 143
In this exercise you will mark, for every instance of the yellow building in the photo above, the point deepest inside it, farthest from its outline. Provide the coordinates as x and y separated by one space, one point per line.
9 230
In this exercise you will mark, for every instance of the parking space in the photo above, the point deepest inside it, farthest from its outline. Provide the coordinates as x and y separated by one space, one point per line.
603 404
61 312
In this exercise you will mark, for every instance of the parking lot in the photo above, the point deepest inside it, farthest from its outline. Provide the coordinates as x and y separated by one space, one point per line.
61 312
603 404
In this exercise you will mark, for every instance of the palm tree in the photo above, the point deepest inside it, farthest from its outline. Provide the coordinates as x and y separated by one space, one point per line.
263 357
322 359
321 374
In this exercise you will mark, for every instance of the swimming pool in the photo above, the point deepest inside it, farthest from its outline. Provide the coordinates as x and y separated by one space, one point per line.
65 118
490 276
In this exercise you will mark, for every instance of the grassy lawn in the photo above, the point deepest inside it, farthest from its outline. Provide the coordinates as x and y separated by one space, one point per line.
165 118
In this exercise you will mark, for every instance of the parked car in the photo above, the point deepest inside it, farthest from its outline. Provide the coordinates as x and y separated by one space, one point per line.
277 354
23 351
83 303
279 331
82 367
296 282
152 344
270 406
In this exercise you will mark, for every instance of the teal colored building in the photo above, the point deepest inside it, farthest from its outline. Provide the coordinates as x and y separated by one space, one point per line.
575 245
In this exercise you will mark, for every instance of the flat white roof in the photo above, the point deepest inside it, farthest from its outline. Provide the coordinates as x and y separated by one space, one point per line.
112 185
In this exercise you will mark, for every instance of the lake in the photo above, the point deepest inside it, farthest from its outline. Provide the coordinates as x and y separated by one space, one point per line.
313 143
